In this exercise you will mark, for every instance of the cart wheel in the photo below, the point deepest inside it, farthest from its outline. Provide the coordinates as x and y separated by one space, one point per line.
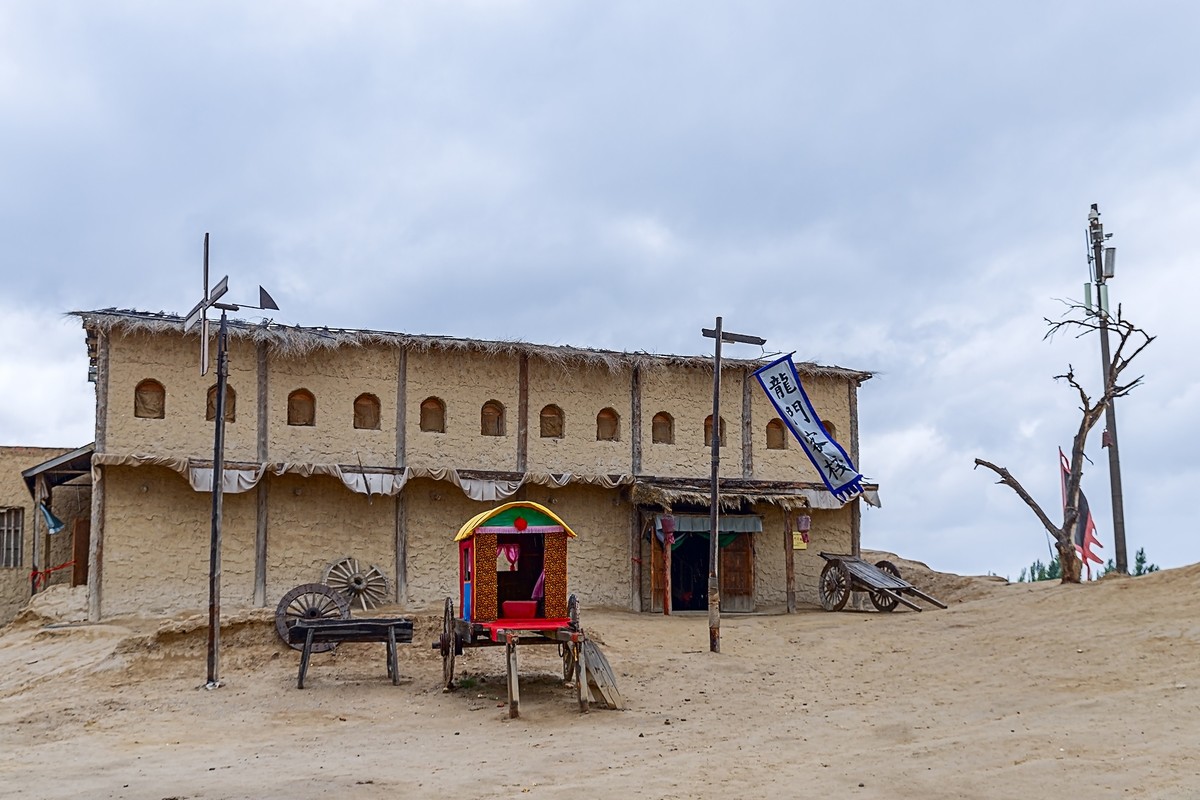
568 658
448 645
363 585
310 601
834 586
880 600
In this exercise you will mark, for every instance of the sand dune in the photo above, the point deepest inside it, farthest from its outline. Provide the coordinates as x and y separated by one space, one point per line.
1015 691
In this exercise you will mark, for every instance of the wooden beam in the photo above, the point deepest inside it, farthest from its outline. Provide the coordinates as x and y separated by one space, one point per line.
747 426
261 504
523 413
789 544
401 408
401 552
635 421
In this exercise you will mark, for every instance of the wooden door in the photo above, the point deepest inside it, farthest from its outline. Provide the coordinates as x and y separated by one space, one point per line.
656 574
737 574
81 534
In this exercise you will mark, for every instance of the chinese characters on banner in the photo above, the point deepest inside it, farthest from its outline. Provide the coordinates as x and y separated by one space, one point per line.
782 385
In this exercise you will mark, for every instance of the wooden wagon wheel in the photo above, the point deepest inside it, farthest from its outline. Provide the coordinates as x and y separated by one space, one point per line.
834 586
879 599
362 585
447 645
567 651
310 601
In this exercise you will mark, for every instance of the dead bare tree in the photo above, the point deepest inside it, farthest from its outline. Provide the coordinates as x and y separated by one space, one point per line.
1131 341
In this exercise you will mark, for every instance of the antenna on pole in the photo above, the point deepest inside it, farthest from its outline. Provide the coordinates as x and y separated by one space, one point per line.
199 315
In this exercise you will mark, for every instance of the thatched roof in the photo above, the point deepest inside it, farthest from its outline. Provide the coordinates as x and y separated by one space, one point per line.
296 341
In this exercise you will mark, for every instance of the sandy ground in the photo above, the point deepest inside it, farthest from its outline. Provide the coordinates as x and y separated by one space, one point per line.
1015 691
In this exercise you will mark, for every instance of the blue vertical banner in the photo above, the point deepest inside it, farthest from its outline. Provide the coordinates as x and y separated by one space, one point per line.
782 385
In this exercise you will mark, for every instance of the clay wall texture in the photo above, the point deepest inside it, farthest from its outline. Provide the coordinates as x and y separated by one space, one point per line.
157 531
174 361
463 381
335 378
581 392
687 395
316 521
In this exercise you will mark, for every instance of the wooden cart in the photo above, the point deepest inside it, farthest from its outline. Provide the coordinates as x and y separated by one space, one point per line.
846 573
512 564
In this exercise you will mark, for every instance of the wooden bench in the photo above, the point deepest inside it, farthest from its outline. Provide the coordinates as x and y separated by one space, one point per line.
315 631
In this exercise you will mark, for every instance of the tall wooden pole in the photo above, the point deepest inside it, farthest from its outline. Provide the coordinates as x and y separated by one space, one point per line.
1096 231
218 497
714 518
714 511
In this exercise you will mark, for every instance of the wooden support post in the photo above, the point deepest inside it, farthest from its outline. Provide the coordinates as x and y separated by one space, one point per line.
581 679
514 688
668 541
264 454
96 542
523 413
789 543
635 422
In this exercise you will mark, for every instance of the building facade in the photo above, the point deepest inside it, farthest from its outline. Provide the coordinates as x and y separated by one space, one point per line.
377 446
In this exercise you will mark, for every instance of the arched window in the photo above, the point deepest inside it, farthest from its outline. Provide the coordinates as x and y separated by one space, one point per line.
210 412
366 412
662 428
491 419
552 422
776 435
830 429
708 431
608 426
302 408
433 415
150 400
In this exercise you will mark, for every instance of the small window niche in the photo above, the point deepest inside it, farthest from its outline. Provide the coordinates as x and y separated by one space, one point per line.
776 435
663 428
552 422
491 419
150 400
608 426
302 408
433 415
210 412
708 431
366 412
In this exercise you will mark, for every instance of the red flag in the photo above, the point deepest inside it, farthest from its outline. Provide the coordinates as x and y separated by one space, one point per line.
1084 535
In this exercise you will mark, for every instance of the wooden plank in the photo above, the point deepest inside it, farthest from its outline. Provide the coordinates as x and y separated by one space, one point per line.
401 549
401 408
264 455
523 413
514 687
747 425
789 560
601 676
635 421
260 543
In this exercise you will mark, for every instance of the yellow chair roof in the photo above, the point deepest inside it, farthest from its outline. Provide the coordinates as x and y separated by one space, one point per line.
503 514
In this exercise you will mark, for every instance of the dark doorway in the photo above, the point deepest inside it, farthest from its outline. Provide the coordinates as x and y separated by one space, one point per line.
689 574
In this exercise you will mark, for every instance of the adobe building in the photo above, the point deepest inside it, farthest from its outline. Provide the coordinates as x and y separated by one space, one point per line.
34 555
377 446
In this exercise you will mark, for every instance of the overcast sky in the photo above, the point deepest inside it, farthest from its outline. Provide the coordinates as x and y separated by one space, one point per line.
889 186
